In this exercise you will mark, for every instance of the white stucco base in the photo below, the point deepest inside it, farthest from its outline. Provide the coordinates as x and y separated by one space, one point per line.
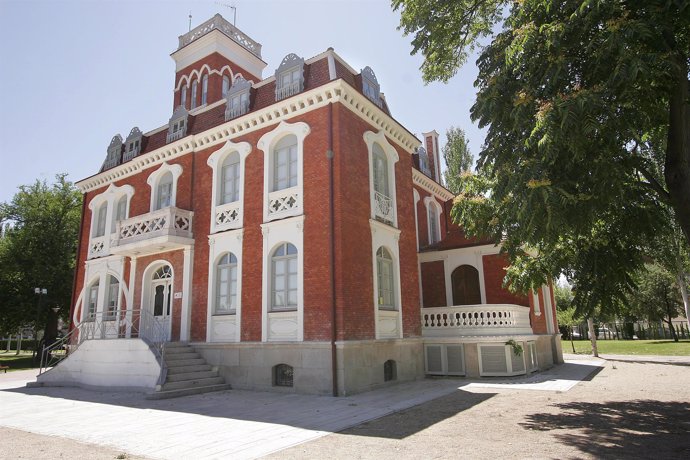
115 364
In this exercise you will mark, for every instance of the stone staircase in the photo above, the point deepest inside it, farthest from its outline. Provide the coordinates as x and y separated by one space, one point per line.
188 374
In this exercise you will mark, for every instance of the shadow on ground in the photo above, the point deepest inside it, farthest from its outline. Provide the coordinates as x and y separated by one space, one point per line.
621 429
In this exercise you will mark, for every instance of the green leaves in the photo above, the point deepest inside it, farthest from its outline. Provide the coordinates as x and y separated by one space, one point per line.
458 158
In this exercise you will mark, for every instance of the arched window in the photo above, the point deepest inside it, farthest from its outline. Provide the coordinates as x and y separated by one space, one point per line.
204 89
434 233
92 303
285 163
465 281
113 297
164 191
284 278
101 219
283 375
384 274
230 179
195 85
183 96
226 85
120 211
380 171
226 285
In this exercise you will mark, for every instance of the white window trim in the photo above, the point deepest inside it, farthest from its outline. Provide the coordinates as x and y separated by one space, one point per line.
155 177
215 161
219 245
429 202
370 138
111 195
275 233
267 143
385 235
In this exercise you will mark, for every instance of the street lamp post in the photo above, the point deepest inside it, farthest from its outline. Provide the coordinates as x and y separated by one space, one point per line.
40 292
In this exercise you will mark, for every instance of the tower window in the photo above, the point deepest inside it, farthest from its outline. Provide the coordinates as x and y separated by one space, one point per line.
195 85
204 89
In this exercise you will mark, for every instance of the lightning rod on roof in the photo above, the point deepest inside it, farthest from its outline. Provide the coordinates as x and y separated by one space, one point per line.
234 11
190 20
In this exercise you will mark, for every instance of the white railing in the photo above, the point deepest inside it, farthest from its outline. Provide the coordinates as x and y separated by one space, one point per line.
286 202
383 207
175 135
98 246
164 222
474 320
288 90
227 216
218 22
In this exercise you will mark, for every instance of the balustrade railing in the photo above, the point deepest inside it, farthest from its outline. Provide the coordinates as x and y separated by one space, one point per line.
164 222
227 216
98 246
288 90
218 22
175 135
383 207
473 320
287 202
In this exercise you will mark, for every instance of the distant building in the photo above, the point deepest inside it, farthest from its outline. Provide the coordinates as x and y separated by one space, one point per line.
294 234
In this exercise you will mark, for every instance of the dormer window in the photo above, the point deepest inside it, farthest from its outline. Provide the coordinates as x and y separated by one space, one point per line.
237 98
132 144
289 76
195 85
177 126
370 86
204 90
183 96
423 161
112 158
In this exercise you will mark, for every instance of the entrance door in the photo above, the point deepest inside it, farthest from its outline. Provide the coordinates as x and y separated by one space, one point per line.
161 299
466 290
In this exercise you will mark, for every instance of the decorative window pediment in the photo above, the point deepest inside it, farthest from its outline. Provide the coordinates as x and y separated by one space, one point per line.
133 144
237 98
114 154
289 76
370 86
177 126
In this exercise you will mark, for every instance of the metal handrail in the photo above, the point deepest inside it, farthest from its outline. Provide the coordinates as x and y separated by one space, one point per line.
123 324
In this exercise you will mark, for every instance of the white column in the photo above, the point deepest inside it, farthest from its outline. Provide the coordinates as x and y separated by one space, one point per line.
186 294
130 294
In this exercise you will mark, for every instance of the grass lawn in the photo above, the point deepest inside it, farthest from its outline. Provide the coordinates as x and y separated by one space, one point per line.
631 347
20 362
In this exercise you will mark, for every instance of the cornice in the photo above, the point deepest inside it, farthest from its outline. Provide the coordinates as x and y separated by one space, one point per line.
335 91
430 185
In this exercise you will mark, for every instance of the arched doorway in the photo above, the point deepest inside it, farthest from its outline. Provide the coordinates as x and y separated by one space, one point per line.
465 281
160 299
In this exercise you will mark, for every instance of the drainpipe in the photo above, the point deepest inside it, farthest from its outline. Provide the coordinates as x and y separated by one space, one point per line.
329 155
77 265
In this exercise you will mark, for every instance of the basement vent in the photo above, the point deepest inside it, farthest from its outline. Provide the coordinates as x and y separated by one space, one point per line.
494 360
442 359
456 365
434 364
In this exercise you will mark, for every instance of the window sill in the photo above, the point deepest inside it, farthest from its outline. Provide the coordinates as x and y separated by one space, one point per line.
283 310
230 313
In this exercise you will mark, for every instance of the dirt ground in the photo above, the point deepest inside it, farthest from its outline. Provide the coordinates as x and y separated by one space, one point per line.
631 409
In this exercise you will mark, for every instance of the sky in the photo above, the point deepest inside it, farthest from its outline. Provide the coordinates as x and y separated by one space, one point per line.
74 73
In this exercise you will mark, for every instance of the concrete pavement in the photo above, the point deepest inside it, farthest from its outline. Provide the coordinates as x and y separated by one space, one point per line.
231 424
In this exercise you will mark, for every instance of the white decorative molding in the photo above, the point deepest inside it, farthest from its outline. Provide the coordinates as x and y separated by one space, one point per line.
230 215
226 327
218 22
382 206
431 186
335 91
154 178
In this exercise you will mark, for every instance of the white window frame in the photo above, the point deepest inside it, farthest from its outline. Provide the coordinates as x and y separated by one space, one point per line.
388 322
371 138
110 198
204 90
195 88
283 259
154 179
433 206
183 96
89 314
101 220
267 144
215 161
226 86
224 327
232 296
382 260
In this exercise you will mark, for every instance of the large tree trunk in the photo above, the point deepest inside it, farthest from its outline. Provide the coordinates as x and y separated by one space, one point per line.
592 336
682 277
572 344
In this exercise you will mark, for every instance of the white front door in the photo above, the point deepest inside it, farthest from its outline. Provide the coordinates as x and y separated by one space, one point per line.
161 300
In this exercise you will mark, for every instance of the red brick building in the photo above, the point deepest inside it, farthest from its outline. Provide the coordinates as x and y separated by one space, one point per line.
293 233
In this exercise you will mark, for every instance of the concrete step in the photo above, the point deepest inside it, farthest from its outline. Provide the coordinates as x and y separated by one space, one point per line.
191 376
181 356
170 345
198 382
187 369
185 362
178 350
165 394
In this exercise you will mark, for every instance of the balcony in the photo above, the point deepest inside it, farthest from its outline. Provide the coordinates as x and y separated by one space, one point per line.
157 231
383 207
288 90
476 320
284 203
98 246
227 216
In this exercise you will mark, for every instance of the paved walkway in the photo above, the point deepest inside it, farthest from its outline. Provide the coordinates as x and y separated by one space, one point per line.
232 424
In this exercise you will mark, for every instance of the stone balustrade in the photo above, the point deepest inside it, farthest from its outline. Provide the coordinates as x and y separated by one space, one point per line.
169 221
228 216
476 320
383 207
284 203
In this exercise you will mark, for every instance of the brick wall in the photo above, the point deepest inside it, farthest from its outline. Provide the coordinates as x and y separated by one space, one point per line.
494 272
433 284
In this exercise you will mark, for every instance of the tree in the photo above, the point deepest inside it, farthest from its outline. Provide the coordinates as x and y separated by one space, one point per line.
38 249
458 157
581 99
565 312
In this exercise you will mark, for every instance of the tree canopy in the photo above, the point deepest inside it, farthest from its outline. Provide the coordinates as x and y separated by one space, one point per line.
587 110
37 249
458 157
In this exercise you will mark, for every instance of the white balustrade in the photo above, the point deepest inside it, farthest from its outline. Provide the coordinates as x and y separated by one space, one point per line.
288 90
383 207
228 216
164 222
476 320
217 22
98 246
283 203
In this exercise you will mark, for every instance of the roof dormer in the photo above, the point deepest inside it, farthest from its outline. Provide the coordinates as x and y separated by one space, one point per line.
370 86
132 144
177 126
238 98
289 76
114 154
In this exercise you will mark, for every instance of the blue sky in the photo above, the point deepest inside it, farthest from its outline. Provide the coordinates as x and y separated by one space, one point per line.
75 73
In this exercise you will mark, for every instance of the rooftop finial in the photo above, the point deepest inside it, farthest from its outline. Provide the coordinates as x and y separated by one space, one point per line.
190 20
